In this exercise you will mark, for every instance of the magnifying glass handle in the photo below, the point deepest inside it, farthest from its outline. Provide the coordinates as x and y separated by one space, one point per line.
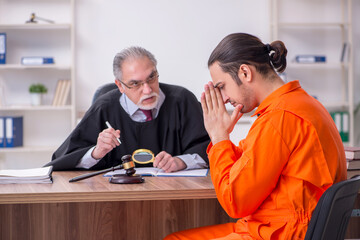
88 175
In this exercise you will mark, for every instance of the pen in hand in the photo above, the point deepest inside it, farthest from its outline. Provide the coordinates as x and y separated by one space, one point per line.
109 126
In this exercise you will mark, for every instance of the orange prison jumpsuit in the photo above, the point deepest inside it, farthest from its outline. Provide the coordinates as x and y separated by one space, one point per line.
274 178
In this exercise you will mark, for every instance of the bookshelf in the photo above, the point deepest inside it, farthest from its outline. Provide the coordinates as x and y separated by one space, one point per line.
47 125
320 28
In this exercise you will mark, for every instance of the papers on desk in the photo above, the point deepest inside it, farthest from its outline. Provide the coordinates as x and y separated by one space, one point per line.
32 175
156 172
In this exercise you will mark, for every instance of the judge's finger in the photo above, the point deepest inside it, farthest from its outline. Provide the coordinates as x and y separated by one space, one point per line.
169 167
103 148
117 133
115 137
107 143
109 136
166 158
158 158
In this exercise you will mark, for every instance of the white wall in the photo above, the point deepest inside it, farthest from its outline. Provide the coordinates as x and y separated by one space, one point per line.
181 34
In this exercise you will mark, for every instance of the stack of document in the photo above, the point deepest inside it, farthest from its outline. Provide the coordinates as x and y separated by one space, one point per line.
32 175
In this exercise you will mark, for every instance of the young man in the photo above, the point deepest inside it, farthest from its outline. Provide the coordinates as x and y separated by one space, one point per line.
291 155
163 118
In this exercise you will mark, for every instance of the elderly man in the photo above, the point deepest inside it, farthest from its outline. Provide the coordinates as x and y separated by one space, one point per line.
144 113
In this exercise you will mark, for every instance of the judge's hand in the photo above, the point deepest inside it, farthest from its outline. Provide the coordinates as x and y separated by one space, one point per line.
168 163
106 142
218 122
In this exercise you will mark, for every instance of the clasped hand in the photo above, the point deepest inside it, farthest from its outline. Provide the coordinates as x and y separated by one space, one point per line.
218 122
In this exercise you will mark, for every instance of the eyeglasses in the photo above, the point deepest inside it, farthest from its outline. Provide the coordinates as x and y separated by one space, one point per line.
133 84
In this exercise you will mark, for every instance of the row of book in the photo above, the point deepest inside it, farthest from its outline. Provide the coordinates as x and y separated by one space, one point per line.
62 92
11 132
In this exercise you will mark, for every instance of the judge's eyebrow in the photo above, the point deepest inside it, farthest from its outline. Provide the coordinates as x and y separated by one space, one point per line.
152 73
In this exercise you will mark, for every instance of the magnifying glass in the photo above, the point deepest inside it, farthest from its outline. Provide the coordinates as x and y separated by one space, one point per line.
143 156
140 156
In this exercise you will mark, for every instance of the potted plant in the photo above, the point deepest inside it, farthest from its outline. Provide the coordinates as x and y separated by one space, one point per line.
36 91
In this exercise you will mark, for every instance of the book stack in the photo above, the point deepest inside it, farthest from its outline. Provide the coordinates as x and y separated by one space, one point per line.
62 92
32 175
352 155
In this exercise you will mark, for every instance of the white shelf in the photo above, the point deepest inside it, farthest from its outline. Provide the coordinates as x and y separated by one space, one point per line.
29 149
315 33
327 65
35 26
312 25
35 108
44 126
45 66
336 106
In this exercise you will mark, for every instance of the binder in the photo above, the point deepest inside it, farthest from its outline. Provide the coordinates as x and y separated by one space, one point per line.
345 126
37 60
341 120
310 59
2 132
13 132
2 48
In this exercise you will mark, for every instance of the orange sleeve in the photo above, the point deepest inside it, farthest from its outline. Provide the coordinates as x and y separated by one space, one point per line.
278 144
243 182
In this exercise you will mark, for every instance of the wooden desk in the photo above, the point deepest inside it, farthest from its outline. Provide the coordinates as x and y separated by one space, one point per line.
95 209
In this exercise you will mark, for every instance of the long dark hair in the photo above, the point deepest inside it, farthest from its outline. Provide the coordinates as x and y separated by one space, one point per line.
242 48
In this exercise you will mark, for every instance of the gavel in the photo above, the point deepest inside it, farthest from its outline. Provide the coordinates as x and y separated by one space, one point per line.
127 164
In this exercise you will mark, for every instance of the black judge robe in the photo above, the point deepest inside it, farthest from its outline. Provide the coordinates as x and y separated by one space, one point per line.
178 129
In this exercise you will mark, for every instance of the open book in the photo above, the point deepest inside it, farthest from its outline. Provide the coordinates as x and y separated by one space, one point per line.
156 172
32 175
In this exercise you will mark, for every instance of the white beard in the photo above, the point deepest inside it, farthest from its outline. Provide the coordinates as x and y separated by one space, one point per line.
148 106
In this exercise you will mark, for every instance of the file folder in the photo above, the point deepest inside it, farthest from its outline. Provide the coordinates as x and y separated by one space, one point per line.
2 48
341 120
37 60
345 126
2 132
13 131
310 59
